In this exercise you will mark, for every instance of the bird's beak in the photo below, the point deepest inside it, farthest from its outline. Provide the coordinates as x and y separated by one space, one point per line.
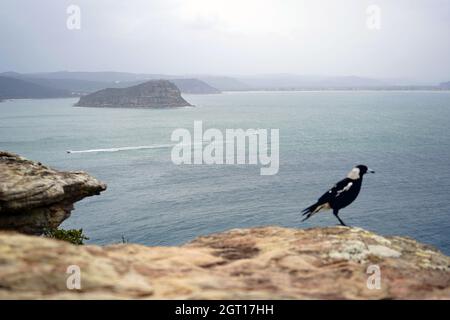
370 170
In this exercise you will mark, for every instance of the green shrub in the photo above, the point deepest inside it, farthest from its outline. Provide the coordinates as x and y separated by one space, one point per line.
73 236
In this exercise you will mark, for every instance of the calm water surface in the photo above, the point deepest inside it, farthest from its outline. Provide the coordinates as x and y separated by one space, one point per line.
404 136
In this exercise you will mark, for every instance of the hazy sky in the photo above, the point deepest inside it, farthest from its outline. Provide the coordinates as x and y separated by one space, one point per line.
229 37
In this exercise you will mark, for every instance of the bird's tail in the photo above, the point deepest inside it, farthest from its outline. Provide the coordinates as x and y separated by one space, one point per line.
308 212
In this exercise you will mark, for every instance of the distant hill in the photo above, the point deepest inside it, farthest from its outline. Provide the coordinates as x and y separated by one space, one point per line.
11 88
225 83
74 86
126 78
445 85
103 76
79 83
288 81
194 86
88 82
150 94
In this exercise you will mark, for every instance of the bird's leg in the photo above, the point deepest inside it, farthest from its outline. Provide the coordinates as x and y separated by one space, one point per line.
335 212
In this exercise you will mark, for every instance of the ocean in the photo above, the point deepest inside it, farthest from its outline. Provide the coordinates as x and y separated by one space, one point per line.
403 136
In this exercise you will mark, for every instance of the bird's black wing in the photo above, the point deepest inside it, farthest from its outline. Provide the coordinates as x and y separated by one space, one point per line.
331 194
335 191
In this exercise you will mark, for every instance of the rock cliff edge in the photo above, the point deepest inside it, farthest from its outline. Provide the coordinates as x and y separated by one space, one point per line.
34 197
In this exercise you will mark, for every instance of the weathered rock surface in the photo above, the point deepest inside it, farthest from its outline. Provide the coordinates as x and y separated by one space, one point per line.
150 94
34 197
260 263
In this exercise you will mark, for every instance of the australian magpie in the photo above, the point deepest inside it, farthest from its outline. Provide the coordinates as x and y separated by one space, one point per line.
341 195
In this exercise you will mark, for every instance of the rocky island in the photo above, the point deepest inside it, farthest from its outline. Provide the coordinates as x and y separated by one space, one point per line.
257 263
150 94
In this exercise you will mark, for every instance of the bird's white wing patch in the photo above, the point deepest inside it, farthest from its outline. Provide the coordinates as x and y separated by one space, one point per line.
346 188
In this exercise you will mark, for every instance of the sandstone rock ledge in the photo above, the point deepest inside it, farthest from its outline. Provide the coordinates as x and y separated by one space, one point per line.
259 263
34 197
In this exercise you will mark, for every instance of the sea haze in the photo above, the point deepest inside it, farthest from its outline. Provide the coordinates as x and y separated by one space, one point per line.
404 136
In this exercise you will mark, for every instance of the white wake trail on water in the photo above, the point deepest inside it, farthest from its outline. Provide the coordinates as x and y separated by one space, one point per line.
157 146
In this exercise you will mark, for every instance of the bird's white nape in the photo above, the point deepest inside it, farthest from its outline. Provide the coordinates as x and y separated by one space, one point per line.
354 174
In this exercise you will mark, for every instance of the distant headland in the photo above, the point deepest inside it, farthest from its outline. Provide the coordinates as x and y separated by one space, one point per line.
62 84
